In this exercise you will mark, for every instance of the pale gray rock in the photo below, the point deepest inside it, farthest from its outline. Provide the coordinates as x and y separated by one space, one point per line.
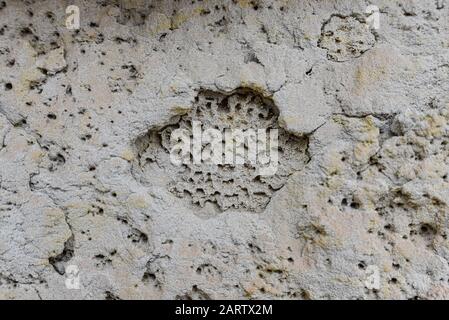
365 195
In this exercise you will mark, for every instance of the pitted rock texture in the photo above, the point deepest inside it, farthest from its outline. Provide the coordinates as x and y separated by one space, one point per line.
346 37
229 185
366 111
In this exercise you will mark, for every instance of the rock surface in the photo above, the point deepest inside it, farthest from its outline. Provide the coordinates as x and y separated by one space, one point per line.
369 188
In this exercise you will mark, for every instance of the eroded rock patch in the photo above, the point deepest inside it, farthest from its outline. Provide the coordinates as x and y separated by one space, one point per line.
238 186
345 38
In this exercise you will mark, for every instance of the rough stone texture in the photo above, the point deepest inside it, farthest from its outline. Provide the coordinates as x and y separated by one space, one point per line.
228 184
371 108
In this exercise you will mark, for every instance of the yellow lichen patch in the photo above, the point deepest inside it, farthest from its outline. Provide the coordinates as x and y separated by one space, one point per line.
370 125
184 15
244 3
364 150
29 76
435 126
28 79
159 23
368 134
178 19
340 120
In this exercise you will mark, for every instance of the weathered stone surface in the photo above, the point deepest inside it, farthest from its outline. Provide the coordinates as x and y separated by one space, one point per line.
232 122
366 188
